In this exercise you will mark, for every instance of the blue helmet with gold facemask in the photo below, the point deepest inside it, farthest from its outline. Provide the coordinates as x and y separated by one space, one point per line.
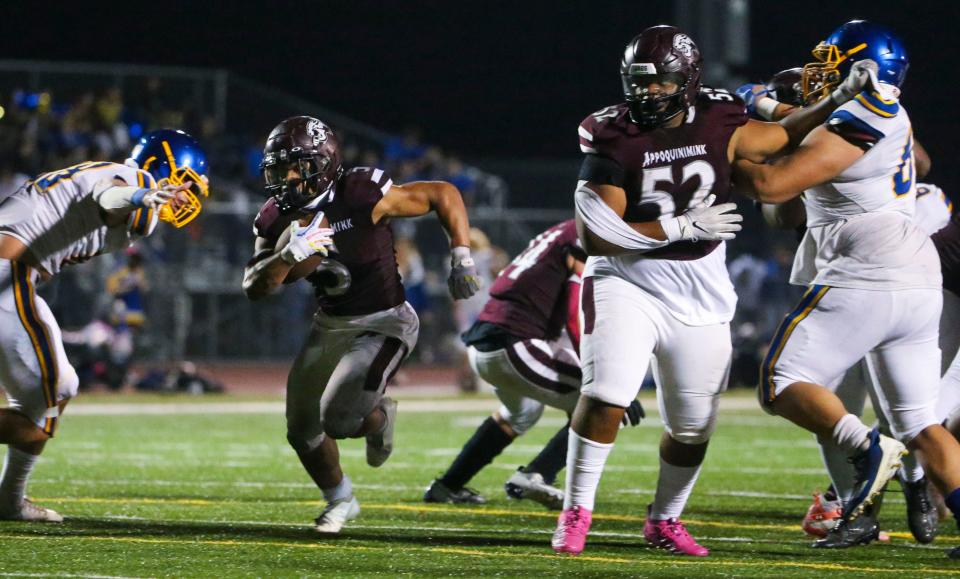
173 157
856 40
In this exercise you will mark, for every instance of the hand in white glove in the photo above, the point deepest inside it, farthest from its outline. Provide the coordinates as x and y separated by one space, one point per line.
464 281
704 222
307 240
862 76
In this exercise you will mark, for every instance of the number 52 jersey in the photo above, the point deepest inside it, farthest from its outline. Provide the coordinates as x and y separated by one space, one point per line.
665 171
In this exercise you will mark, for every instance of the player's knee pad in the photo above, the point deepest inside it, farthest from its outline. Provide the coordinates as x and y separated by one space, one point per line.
693 433
342 424
523 418
303 443
68 384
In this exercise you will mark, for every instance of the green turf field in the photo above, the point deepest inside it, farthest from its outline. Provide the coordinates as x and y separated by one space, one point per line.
209 492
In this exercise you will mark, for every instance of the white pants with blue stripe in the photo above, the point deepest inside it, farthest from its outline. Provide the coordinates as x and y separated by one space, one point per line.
35 374
832 329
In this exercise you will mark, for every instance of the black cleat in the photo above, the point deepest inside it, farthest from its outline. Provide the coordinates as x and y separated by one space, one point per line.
438 492
861 530
954 553
921 513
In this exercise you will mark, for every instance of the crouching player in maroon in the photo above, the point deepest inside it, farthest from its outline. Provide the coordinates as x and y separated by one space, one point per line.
526 343
333 226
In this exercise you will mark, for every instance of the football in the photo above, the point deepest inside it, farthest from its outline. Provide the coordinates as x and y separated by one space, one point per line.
305 267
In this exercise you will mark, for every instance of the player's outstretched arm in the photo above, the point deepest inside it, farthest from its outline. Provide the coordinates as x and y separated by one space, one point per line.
758 141
421 197
118 199
822 156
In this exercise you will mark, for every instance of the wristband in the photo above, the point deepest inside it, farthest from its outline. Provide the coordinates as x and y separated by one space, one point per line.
765 107
137 197
459 254
671 228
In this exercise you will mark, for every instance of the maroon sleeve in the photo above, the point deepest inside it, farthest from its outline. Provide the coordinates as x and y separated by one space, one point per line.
270 222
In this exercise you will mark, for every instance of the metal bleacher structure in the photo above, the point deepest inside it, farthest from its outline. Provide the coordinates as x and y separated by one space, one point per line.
195 306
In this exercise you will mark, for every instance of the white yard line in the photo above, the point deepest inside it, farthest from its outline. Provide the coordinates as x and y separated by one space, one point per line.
383 487
81 408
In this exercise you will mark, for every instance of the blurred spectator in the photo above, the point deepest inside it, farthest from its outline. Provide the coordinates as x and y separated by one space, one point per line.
11 178
129 285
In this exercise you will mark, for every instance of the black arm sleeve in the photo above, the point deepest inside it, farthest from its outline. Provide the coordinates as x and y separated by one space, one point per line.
601 170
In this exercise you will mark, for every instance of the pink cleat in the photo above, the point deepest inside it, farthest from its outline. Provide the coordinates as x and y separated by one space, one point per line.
670 534
571 531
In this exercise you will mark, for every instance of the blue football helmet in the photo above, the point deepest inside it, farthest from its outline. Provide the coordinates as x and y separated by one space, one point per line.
173 157
855 40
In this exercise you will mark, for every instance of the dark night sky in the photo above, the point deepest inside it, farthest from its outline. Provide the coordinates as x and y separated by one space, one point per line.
487 79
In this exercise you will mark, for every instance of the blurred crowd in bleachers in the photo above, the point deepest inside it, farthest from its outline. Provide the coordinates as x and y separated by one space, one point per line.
45 130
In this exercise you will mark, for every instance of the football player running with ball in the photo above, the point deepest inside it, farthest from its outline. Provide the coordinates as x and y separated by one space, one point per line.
874 278
334 226
656 283
59 218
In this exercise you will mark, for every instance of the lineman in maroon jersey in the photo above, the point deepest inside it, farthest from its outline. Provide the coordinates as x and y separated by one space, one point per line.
526 343
364 329
656 281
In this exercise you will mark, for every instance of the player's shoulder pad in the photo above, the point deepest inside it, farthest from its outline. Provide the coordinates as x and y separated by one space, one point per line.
874 103
359 176
851 122
600 126
721 106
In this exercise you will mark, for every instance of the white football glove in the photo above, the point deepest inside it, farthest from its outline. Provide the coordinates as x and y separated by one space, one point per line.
156 198
862 76
704 222
307 240
464 281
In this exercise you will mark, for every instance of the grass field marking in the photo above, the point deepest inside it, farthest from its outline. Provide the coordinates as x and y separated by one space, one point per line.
446 510
71 575
656 561
378 487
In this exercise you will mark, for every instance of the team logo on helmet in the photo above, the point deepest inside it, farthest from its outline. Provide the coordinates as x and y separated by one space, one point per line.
683 45
317 131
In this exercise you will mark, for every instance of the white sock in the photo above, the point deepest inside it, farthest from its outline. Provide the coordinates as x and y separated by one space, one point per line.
841 472
17 467
850 434
674 486
342 491
911 470
585 460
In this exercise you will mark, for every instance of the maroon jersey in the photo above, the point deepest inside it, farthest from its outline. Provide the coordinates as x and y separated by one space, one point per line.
364 247
528 299
664 171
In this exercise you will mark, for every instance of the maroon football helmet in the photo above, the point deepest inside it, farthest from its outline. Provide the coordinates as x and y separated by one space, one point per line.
660 54
787 86
310 147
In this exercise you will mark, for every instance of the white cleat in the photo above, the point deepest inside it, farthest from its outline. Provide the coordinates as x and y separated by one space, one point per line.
875 467
523 485
336 515
27 511
379 446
